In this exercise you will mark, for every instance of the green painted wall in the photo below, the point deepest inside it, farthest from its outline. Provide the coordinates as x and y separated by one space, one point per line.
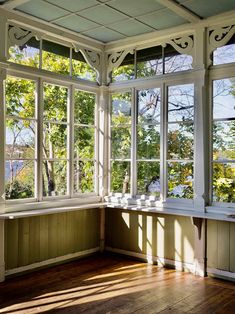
221 245
35 239
165 236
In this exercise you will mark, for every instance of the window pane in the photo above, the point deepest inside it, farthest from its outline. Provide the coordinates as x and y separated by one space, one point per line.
180 141
181 102
126 70
20 97
224 140
175 62
54 140
83 176
84 107
81 69
224 182
223 99
148 141
54 178
55 102
19 179
180 180
55 57
27 54
148 178
121 108
120 176
149 104
121 142
20 138
149 62
84 142
223 55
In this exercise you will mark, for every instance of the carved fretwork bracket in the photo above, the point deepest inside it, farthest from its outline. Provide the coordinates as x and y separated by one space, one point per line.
93 58
18 36
219 37
198 223
115 59
184 45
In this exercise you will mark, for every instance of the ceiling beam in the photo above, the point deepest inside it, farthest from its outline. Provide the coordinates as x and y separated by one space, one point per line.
11 4
180 10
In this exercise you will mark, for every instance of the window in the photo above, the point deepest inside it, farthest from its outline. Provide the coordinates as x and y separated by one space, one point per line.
84 142
120 142
224 140
39 158
55 144
53 57
148 142
151 62
155 150
21 126
225 54
28 54
180 141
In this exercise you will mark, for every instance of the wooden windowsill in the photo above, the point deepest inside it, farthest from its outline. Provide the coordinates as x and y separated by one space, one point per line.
49 211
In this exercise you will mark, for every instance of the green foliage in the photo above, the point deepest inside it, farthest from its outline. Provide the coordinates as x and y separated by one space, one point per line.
224 182
18 190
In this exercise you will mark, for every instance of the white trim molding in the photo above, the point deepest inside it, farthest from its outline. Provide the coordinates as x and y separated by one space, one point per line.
51 261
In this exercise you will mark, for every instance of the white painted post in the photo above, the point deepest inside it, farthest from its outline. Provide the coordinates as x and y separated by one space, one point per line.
201 149
103 105
103 140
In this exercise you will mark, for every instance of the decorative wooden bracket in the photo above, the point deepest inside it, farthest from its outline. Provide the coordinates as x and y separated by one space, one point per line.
218 38
198 223
18 36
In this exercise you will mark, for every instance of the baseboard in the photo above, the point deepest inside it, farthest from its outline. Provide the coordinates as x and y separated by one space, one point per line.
154 259
51 261
222 274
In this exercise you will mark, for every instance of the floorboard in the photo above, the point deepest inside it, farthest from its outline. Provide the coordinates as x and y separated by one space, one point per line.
114 284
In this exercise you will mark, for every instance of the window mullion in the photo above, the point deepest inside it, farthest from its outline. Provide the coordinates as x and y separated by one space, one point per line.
133 144
70 144
163 144
39 141
2 140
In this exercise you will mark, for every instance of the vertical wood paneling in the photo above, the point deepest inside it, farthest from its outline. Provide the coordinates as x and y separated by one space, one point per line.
223 245
23 241
43 237
151 234
61 234
30 240
232 247
52 236
11 243
34 238
212 244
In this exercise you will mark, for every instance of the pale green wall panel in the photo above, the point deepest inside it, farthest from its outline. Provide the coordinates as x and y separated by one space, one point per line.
43 244
212 244
223 245
52 236
23 253
35 239
165 236
232 247
12 242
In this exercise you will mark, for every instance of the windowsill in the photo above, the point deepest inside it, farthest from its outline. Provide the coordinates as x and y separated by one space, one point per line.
50 207
174 211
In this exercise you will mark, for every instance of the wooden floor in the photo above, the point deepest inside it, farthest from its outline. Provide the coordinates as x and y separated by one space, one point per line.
113 284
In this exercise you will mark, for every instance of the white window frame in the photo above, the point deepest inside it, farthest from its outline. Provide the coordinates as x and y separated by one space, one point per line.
41 77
